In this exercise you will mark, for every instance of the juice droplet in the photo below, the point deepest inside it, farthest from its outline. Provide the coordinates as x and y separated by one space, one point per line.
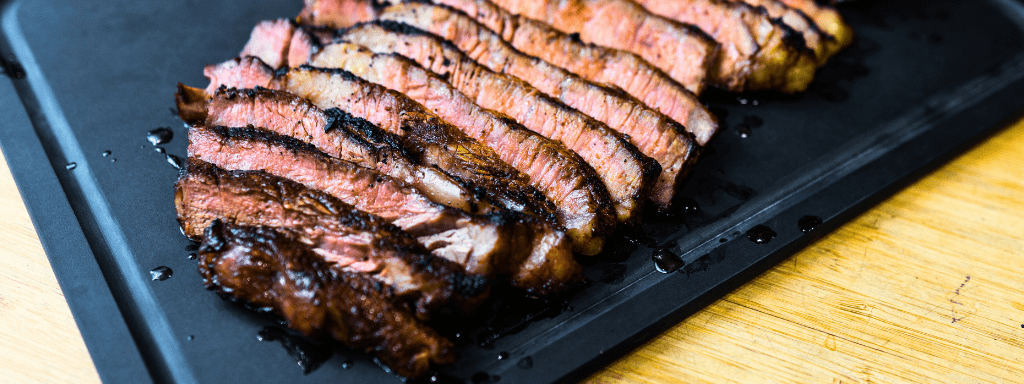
192 256
761 234
666 261
161 273
347 364
106 153
502 355
191 337
174 161
808 223
70 166
160 135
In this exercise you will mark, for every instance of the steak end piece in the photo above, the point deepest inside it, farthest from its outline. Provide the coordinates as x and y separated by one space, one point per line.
272 271
350 239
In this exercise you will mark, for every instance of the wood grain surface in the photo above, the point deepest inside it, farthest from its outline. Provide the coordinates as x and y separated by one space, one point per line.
926 287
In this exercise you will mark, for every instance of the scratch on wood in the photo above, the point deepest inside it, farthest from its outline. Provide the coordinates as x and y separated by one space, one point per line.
952 308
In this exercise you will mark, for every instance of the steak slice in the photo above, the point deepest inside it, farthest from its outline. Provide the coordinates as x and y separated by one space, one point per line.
619 165
684 52
827 18
600 64
348 239
758 53
278 273
822 43
426 137
581 200
334 131
498 244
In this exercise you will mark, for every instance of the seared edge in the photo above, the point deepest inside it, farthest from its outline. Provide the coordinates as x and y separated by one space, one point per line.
347 238
580 197
275 272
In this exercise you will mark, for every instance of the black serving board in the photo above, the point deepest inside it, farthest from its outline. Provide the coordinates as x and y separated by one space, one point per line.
924 80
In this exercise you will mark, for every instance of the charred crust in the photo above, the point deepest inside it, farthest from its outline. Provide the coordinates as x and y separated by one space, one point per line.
251 133
348 76
792 38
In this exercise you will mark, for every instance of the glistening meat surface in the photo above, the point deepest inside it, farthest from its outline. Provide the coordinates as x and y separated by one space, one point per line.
597 63
336 132
581 201
425 136
349 239
497 245
268 269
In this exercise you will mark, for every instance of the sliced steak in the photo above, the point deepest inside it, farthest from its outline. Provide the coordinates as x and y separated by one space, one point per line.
349 239
581 200
425 136
827 18
496 245
758 53
334 131
619 164
278 273
596 63
683 51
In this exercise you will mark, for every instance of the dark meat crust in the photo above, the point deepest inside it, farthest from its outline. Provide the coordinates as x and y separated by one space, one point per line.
271 270
205 193
333 131
582 201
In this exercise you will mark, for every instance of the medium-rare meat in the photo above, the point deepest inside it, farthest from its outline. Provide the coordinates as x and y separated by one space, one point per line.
498 244
348 239
758 53
581 200
827 18
596 63
652 133
277 273
334 131
685 52
626 172
425 136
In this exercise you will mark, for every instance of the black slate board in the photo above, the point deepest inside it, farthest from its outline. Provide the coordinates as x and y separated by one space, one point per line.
923 81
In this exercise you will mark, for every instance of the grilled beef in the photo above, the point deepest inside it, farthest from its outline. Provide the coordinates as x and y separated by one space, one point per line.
493 245
346 238
671 46
334 131
278 273
620 68
822 43
424 135
655 135
582 202
684 52
758 53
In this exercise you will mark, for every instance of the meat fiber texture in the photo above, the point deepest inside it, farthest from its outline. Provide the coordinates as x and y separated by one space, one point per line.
539 256
582 202
277 273
349 239
758 53
334 131
424 135
600 64
654 134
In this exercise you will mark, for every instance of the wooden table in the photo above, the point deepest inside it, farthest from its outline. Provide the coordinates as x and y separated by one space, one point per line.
926 287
